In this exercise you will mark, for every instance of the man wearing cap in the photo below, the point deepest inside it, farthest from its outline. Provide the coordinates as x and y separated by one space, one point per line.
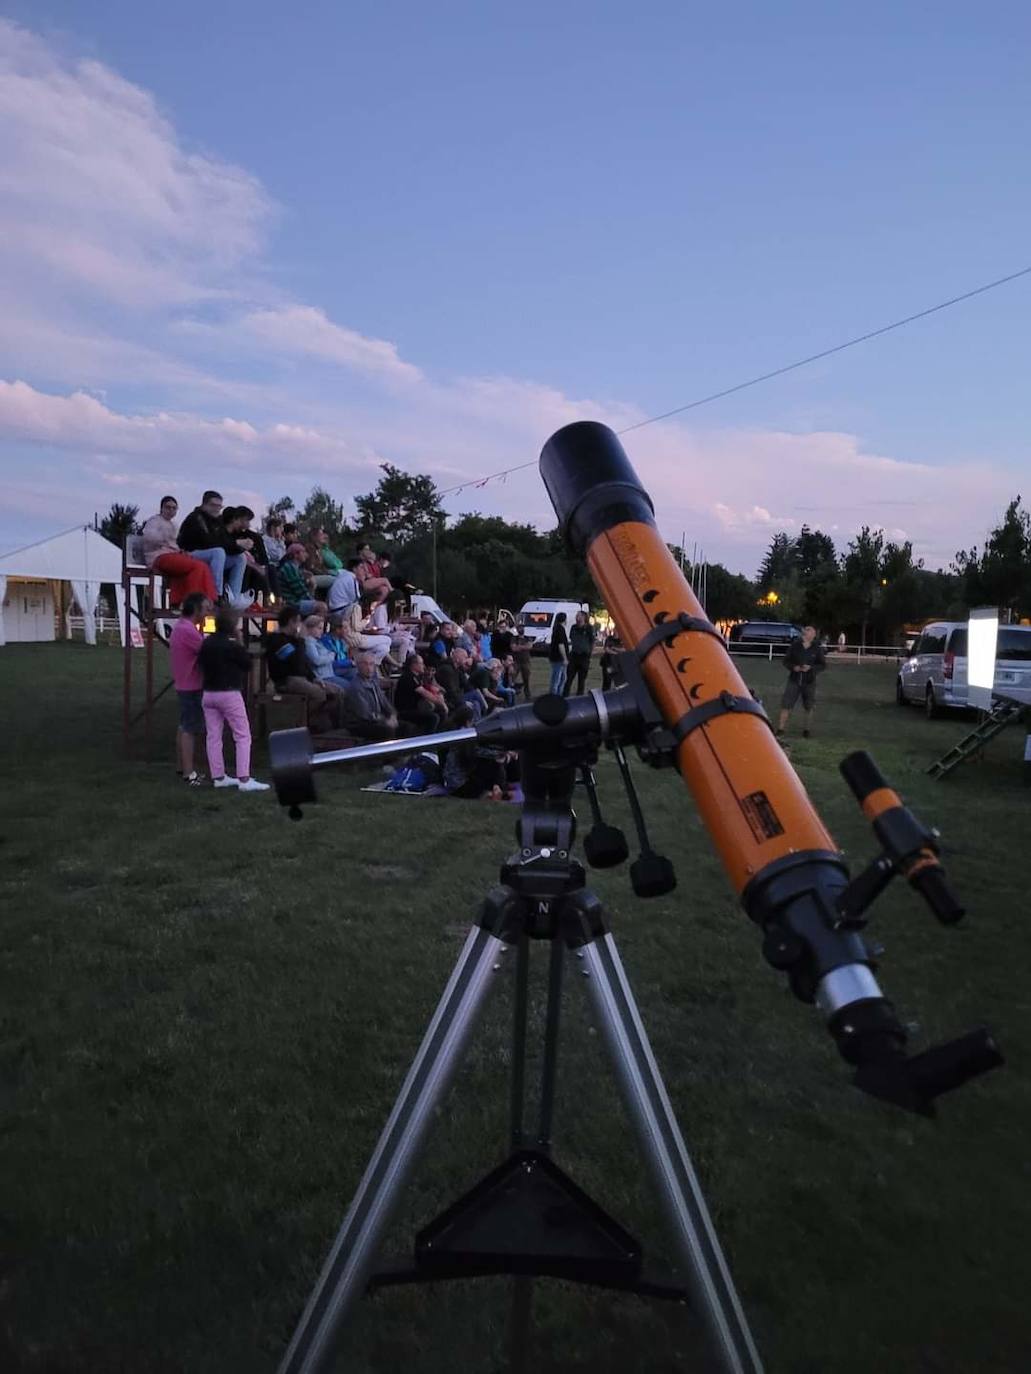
294 582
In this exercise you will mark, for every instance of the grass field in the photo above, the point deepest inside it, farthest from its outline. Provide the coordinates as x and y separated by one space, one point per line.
206 1011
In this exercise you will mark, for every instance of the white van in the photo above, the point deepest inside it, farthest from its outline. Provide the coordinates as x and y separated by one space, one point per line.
538 618
935 674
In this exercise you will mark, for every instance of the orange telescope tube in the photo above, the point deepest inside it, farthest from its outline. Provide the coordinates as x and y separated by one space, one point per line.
750 798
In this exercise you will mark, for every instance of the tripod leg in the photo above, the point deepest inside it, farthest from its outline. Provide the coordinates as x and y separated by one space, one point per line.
519 1039
712 1288
519 1324
549 1071
351 1259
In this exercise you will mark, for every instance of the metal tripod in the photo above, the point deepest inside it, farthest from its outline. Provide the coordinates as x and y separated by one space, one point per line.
527 1218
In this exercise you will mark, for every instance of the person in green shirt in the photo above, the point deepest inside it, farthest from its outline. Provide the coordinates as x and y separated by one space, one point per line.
293 582
323 563
581 646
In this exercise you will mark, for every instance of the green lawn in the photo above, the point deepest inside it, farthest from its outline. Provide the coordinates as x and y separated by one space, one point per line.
206 1011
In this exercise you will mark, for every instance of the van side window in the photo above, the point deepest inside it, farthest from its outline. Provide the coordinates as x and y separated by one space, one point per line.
932 641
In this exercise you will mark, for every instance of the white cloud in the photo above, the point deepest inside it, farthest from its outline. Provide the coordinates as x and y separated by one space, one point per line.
96 188
177 442
305 330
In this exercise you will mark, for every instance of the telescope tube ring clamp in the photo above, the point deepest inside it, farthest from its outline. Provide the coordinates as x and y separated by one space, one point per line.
669 629
725 704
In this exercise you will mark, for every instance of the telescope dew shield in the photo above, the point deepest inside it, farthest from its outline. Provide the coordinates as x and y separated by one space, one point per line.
779 856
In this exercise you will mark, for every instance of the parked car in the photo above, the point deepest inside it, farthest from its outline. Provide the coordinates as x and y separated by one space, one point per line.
935 674
760 634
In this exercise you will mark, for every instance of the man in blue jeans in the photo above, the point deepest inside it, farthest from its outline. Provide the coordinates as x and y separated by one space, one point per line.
204 536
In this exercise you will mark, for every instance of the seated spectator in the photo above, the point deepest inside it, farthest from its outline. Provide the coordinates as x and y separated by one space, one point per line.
413 703
434 690
450 678
455 676
399 584
471 770
185 574
236 520
368 573
273 540
275 550
468 638
323 564
486 677
343 664
184 645
204 536
441 640
366 711
321 658
295 582
508 681
384 618
226 666
360 636
290 671
345 588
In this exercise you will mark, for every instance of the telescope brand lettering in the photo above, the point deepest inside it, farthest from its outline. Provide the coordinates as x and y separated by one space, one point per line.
633 563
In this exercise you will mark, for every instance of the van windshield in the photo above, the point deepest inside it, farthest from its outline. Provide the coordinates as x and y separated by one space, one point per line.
538 620
1014 642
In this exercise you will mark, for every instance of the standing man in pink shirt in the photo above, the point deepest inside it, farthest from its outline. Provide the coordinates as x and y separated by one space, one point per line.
183 649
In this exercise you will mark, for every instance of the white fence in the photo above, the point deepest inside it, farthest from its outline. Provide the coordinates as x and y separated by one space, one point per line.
854 653
75 626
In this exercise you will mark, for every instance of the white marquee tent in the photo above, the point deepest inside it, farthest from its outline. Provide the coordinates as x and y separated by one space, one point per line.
79 556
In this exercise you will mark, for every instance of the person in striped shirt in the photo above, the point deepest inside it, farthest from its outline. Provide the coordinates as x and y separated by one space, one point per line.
294 584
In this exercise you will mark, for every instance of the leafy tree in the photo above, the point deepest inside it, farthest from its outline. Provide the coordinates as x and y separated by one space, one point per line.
813 553
320 511
861 567
1001 575
728 596
401 506
283 508
778 564
120 522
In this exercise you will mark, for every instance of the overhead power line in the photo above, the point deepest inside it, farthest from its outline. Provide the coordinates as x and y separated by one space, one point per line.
768 376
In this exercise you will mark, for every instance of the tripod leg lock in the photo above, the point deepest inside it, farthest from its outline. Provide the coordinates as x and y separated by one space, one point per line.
583 919
503 914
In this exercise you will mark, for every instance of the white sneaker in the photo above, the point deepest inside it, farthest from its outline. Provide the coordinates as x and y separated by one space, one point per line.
252 785
243 602
226 782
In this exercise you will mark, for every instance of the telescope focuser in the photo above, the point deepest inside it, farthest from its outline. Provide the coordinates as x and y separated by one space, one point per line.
908 847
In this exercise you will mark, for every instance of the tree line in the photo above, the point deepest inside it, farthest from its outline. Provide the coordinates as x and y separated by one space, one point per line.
870 589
